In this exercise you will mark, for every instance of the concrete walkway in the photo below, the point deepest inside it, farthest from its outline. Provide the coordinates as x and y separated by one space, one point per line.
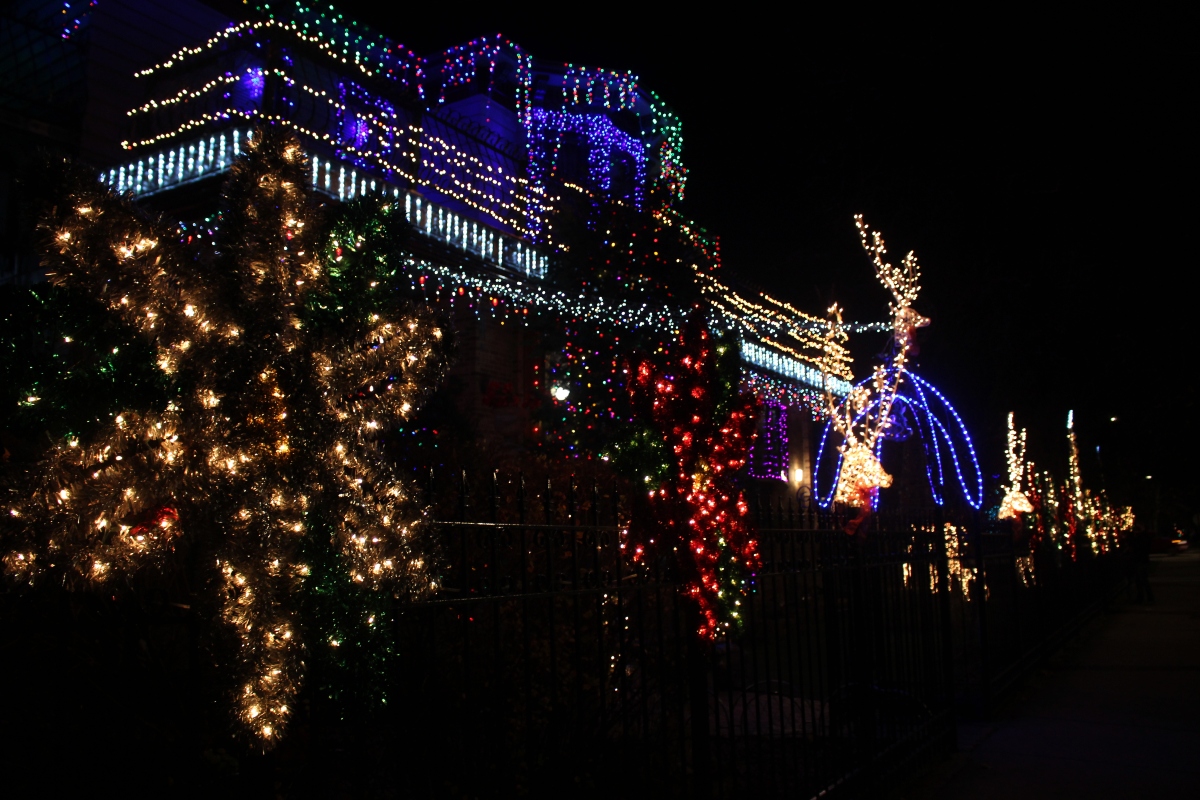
1115 715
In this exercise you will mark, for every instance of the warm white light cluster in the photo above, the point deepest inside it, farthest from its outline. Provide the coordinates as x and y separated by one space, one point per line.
1026 570
1015 502
861 472
1051 502
901 281
962 576
918 545
1099 522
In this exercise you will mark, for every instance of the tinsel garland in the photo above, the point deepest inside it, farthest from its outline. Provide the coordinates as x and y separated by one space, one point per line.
282 377
68 368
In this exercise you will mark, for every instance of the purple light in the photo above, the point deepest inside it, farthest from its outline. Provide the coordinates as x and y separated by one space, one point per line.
255 82
546 133
769 452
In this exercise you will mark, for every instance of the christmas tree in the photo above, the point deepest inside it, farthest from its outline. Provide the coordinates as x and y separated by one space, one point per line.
282 373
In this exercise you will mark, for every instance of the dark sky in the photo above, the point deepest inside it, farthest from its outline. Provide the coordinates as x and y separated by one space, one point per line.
1036 165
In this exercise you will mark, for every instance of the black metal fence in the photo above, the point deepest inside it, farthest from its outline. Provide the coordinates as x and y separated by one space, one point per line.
549 664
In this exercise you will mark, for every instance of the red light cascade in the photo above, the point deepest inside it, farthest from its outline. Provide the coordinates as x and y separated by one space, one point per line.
697 510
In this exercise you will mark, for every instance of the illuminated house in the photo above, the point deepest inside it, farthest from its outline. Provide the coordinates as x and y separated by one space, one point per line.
480 145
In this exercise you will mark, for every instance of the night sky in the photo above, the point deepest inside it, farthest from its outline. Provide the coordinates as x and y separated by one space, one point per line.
1036 166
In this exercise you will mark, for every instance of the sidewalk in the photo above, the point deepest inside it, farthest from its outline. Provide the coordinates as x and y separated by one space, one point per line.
1115 715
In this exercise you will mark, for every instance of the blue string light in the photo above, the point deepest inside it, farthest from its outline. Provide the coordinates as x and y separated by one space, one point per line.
547 132
936 435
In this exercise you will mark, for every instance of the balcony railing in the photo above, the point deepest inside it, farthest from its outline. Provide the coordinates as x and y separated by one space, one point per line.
213 155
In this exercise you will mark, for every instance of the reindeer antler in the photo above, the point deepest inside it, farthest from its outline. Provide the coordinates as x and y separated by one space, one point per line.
901 281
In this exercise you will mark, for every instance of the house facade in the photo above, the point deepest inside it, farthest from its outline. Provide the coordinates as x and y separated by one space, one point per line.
484 149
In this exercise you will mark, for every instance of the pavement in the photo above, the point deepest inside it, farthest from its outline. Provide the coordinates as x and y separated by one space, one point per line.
1116 714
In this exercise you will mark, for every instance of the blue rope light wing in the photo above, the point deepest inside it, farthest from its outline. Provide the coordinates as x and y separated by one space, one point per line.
825 501
955 437
943 434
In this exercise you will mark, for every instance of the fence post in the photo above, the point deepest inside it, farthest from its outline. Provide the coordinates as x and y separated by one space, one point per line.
495 495
985 676
462 496
943 590
698 701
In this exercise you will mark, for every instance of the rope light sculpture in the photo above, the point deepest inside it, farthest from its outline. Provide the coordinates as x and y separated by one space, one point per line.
882 406
865 414
947 442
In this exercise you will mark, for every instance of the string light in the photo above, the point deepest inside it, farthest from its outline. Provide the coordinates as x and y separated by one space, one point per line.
72 17
595 86
367 129
788 393
769 453
792 345
961 576
1086 514
708 247
513 297
670 150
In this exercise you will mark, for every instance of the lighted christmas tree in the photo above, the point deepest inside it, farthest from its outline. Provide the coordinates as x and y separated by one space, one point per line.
1015 503
698 434
279 387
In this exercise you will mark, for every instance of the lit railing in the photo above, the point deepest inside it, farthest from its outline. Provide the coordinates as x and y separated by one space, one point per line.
177 166
213 155
789 367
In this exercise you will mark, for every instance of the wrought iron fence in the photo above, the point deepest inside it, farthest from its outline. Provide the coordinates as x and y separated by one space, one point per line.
548 663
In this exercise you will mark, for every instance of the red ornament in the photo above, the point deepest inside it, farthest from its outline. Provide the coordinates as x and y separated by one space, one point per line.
697 510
